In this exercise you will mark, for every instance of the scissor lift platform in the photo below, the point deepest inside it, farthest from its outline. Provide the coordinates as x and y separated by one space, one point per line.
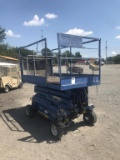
66 82
60 96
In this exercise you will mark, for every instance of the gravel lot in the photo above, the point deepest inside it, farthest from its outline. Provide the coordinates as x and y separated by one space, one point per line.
23 138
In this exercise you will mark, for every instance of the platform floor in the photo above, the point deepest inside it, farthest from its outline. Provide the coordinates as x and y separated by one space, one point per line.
53 79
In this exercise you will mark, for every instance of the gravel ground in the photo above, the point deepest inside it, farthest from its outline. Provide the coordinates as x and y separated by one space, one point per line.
23 138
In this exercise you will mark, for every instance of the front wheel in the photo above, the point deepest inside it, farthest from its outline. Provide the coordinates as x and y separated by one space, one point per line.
90 117
6 89
20 85
56 131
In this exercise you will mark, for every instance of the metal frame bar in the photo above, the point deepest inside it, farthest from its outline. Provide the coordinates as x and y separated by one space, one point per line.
46 60
70 60
44 39
99 54
89 41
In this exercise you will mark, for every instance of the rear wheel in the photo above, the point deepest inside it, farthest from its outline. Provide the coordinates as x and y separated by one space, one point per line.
90 117
6 89
56 131
29 111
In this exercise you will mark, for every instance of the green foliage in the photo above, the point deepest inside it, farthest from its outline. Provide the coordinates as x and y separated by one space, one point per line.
114 59
117 59
110 59
55 59
6 50
48 51
25 52
67 54
2 34
77 54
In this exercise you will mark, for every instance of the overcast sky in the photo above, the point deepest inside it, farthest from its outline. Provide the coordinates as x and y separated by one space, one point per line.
25 21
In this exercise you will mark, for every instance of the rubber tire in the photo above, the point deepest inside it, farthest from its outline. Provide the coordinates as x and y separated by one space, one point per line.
90 117
20 85
6 89
29 111
59 131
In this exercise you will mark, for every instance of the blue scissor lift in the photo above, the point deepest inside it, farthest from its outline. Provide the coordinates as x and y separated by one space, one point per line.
60 96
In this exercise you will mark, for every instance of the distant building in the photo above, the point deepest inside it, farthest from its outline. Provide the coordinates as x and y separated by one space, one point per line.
8 59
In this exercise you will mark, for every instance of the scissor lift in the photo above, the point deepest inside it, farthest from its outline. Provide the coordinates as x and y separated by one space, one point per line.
60 96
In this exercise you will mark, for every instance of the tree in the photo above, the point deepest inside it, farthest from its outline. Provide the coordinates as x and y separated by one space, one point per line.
117 59
77 54
55 59
24 52
48 51
2 34
7 50
67 54
114 59
110 60
4 49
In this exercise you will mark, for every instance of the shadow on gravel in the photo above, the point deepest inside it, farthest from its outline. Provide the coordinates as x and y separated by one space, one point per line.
38 127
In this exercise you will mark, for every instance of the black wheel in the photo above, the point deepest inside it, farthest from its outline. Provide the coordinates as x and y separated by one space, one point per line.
20 85
90 117
56 131
29 111
6 89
